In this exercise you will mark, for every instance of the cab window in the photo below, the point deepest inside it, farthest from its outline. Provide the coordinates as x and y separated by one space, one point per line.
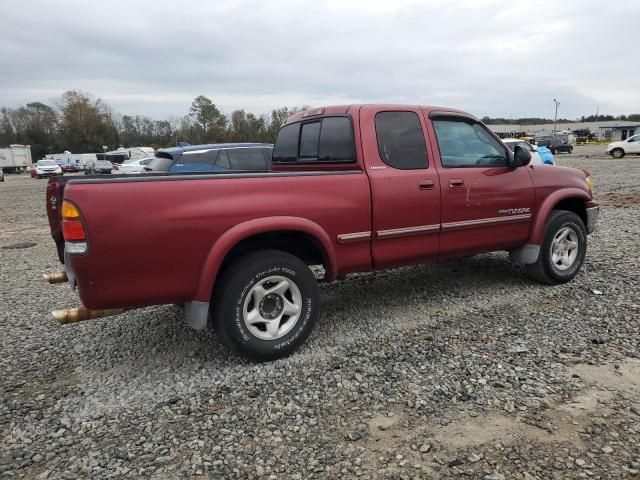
401 142
464 143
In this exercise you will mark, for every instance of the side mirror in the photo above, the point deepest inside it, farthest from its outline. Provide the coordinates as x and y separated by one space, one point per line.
521 157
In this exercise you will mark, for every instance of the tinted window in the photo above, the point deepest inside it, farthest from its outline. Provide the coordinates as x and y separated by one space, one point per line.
467 144
309 140
286 147
223 160
400 140
336 140
195 161
247 159
329 139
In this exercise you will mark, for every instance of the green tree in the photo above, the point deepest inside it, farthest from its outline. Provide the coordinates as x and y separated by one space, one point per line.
209 120
86 123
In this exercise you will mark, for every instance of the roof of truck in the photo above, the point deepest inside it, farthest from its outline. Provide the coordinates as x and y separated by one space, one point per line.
344 109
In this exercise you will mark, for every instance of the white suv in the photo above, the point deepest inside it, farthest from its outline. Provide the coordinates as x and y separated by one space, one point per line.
620 149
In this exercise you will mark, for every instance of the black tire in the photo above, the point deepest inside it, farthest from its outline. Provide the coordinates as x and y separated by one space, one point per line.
554 151
544 270
617 153
239 281
570 149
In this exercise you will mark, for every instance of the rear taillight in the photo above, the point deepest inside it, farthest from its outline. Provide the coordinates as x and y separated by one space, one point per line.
73 230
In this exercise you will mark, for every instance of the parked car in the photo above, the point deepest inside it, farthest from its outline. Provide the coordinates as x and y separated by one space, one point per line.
1 175
215 158
67 167
353 188
620 149
47 168
555 144
512 143
131 166
97 167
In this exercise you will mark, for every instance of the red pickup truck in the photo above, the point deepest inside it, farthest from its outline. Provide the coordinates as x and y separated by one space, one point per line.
352 188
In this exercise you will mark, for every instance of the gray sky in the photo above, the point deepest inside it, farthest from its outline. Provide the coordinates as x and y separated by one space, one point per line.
490 57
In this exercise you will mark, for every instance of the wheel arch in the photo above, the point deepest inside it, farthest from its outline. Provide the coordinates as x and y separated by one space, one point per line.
298 236
572 200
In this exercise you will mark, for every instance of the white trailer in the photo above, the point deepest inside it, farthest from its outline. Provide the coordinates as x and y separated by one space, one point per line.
15 158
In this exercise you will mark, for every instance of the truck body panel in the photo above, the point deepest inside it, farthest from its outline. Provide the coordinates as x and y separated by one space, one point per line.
172 233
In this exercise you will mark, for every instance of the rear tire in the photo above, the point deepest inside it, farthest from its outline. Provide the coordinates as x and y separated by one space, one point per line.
563 249
265 304
617 153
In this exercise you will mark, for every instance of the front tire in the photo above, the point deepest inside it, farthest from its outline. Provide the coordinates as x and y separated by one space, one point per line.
617 153
563 249
266 304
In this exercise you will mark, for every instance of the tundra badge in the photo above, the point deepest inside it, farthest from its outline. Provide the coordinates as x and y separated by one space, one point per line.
512 211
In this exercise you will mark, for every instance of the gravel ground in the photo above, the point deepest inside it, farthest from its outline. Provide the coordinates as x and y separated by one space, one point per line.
456 369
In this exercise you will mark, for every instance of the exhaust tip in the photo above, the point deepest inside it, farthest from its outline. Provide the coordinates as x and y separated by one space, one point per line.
53 278
80 314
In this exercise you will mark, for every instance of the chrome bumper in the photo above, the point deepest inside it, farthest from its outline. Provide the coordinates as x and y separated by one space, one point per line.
592 218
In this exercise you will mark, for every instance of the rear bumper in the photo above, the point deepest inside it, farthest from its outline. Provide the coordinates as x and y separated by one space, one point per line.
592 218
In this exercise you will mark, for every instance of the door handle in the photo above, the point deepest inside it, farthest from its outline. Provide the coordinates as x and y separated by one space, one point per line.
456 183
426 185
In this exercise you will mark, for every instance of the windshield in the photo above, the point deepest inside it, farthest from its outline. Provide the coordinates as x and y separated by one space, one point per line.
46 163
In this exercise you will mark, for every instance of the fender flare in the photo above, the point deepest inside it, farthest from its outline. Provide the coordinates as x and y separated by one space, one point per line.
537 231
244 230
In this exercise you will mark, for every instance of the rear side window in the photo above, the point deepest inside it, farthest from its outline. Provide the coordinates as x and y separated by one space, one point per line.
223 160
195 161
329 139
247 159
400 140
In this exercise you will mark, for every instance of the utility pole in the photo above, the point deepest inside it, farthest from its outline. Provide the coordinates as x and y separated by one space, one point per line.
555 120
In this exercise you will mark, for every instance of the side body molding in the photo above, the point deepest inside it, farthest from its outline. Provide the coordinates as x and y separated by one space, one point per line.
542 213
244 230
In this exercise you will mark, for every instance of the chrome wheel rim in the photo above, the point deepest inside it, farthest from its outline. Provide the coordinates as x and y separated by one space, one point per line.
564 248
272 307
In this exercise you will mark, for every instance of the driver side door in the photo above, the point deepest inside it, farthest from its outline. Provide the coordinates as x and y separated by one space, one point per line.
485 205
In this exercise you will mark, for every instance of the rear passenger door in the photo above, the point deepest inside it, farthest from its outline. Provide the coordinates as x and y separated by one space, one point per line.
195 161
404 186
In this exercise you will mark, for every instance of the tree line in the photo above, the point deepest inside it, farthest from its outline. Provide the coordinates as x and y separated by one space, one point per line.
633 117
82 123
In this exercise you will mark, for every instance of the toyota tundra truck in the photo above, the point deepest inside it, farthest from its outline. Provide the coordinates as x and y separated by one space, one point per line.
352 188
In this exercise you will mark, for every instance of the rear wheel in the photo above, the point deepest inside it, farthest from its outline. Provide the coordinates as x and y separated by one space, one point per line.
570 149
265 305
562 251
617 153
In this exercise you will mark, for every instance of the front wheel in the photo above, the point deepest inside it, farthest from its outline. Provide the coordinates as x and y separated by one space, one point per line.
265 305
563 249
617 153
